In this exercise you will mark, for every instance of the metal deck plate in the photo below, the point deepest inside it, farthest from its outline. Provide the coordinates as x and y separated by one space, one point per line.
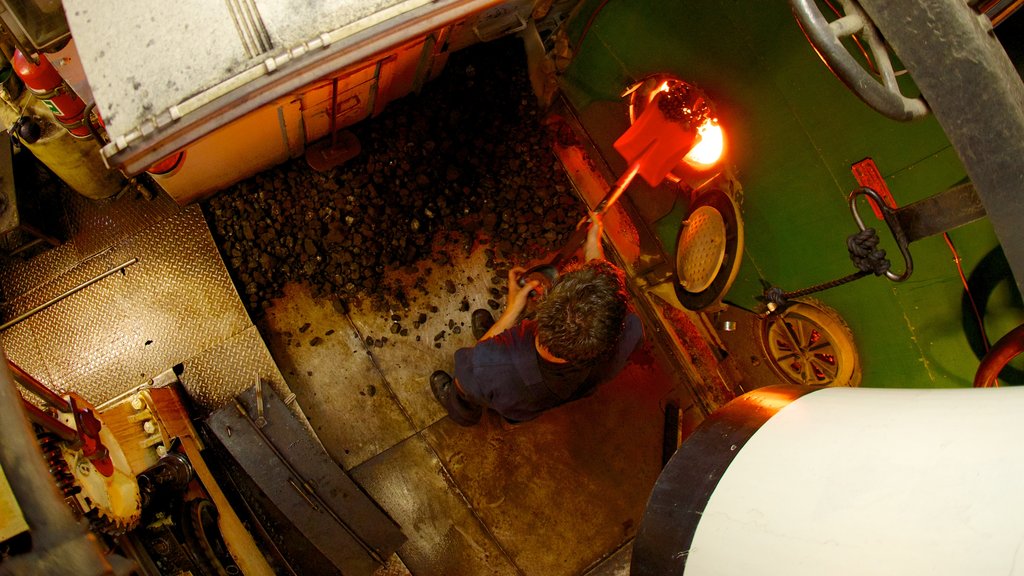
88 227
177 304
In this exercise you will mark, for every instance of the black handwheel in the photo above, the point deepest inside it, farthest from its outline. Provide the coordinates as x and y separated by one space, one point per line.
878 90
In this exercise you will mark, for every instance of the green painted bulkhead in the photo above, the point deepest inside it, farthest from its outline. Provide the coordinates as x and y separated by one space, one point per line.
793 133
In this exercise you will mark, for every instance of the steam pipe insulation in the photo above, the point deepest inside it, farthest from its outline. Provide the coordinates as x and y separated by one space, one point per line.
843 481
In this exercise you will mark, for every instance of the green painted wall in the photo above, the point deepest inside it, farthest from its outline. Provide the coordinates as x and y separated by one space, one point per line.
794 131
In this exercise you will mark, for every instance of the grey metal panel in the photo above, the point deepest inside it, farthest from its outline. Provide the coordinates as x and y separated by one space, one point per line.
136 59
289 23
976 95
354 529
169 115
165 57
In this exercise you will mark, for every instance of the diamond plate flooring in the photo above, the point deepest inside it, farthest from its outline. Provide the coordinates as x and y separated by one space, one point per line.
174 305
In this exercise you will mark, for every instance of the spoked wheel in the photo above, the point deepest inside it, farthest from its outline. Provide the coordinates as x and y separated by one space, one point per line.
875 85
809 344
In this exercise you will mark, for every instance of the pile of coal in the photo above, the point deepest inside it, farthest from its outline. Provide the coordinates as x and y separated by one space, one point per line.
467 160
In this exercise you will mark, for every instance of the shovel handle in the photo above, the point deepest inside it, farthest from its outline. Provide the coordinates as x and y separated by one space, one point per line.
620 186
580 234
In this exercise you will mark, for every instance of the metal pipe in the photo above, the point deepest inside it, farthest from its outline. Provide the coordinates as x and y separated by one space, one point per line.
620 187
323 59
1008 347
580 234
38 388
51 424
70 292
59 543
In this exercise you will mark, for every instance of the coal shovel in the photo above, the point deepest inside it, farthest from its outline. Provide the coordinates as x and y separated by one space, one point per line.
653 145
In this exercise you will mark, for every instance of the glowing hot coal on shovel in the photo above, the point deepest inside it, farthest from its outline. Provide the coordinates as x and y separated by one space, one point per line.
676 125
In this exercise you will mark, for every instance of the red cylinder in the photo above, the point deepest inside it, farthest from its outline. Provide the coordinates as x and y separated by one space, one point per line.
50 88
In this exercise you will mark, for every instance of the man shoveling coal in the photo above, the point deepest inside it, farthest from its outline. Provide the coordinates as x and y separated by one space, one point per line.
580 336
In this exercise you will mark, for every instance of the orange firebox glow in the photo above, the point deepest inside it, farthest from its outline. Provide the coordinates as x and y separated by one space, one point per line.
709 147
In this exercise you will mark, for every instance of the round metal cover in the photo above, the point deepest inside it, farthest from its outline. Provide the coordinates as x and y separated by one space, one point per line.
701 249
723 205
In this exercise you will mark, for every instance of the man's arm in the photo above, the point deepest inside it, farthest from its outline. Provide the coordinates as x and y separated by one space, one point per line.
593 250
517 299
519 296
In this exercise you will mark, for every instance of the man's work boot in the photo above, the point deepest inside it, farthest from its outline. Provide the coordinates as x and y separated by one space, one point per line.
481 322
461 411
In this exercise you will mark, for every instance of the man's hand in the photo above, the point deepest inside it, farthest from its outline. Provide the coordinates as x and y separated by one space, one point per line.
518 296
514 289
593 250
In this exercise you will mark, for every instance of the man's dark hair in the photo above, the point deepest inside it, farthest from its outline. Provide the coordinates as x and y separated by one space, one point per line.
581 316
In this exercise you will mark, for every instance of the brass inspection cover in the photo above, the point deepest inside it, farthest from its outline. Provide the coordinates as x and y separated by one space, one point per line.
701 249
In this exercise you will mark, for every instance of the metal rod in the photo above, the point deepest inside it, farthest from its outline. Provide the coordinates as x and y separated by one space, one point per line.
334 111
261 421
70 292
302 493
1001 353
51 424
579 236
305 484
55 532
26 246
38 388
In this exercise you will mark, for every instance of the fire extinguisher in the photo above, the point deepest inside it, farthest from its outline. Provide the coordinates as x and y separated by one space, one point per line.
50 88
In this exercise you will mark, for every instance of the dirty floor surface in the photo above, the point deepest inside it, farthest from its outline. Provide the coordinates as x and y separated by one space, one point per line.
562 494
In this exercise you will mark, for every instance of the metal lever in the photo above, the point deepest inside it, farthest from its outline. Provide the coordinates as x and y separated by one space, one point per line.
260 421
936 214
894 226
